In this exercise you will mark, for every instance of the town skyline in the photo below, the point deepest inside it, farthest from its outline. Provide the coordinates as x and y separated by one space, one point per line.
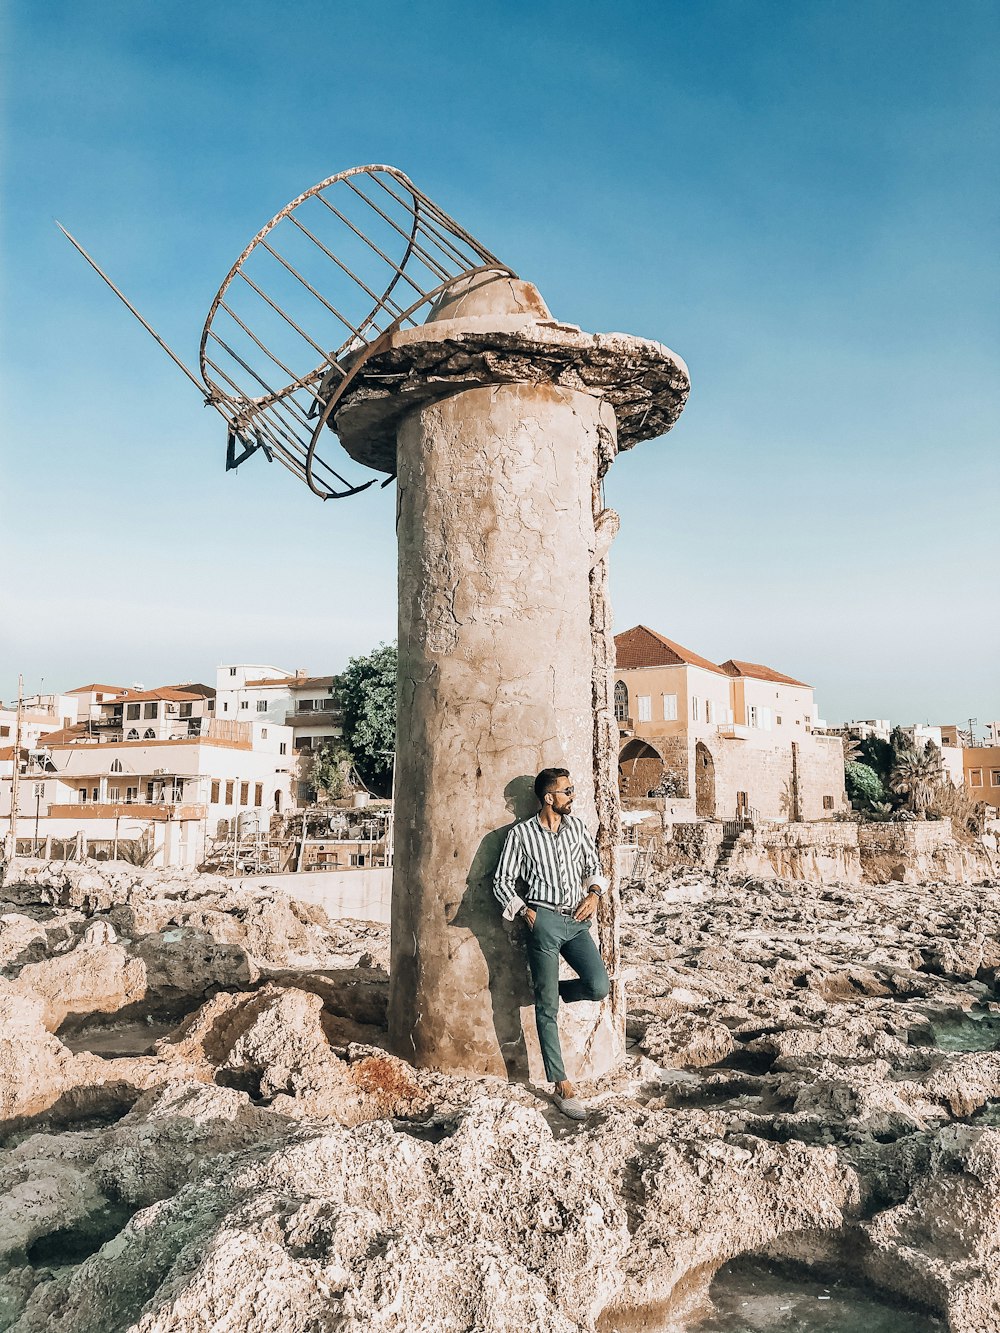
153 680
812 232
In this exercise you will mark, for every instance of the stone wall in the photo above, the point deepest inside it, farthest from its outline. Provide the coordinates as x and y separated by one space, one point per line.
756 765
766 775
824 853
921 852
830 852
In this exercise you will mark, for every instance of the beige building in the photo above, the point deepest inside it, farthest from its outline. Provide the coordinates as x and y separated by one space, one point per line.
982 772
721 740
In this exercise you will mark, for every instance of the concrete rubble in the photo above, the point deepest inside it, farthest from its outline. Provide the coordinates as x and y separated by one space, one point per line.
202 1128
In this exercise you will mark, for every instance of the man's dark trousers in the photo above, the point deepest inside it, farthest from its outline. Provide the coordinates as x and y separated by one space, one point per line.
554 934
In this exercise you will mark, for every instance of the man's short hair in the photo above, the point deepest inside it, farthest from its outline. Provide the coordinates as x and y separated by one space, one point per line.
547 779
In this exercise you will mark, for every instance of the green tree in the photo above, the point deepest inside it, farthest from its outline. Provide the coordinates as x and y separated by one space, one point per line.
330 771
878 755
916 775
368 695
864 786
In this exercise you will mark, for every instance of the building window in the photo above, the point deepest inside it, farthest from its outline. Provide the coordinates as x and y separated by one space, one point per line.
114 795
225 706
261 705
232 671
149 734
827 802
995 777
149 710
282 748
645 704
695 708
305 705
133 735
131 795
670 708
4 731
214 797
975 777
229 793
751 715
244 703
765 719
83 795
263 733
185 710
777 720
258 794
116 767
621 701
709 710
244 793
131 712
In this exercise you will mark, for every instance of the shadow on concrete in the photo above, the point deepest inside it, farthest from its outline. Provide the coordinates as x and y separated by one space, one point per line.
502 942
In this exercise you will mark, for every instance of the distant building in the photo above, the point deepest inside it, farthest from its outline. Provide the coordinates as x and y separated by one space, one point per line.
721 739
310 705
981 764
170 790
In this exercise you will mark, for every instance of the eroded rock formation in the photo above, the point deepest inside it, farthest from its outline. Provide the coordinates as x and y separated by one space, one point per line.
812 1075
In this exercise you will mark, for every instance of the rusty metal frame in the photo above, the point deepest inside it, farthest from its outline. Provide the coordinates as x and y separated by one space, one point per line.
273 419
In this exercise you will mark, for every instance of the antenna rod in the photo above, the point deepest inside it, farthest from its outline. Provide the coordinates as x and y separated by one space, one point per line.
128 304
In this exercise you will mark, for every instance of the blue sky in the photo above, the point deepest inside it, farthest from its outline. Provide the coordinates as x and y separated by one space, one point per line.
799 198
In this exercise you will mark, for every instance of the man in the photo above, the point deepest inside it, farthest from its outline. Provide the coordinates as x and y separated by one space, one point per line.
554 855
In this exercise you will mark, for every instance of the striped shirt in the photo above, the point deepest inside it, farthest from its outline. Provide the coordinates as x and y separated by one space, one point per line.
555 867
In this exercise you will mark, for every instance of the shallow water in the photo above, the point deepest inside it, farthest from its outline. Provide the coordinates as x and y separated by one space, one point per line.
113 1040
751 1297
754 1296
976 1030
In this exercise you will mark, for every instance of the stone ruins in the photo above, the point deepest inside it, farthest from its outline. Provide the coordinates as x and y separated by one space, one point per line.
500 423
203 1130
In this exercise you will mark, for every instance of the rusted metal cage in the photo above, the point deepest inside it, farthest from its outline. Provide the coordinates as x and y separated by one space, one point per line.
316 291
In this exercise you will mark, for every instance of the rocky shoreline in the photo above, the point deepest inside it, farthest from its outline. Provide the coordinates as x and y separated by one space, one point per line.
201 1130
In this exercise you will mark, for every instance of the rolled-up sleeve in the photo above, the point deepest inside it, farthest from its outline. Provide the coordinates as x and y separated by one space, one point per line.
505 879
592 877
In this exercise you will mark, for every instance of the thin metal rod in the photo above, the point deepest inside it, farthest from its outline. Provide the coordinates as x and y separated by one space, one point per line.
267 352
341 265
309 287
129 306
425 255
443 242
452 254
372 246
287 318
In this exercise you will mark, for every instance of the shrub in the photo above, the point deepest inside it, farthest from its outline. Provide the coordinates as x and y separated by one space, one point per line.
864 786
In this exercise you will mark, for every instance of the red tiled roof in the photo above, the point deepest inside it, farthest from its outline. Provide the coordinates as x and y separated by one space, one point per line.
167 692
193 687
758 672
64 735
269 680
643 647
99 689
311 682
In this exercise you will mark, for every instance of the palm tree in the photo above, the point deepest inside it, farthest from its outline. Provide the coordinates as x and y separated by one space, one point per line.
852 749
916 774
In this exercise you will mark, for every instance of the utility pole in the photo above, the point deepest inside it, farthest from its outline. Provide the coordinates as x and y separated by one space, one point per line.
972 734
15 779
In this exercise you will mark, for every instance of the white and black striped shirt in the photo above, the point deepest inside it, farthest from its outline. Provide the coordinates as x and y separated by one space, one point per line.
555 867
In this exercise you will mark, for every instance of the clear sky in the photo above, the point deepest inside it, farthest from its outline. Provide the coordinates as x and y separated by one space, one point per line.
799 197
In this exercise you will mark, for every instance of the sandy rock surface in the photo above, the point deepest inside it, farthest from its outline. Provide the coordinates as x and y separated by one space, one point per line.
202 1130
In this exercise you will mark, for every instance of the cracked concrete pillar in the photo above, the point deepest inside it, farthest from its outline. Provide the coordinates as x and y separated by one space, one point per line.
500 423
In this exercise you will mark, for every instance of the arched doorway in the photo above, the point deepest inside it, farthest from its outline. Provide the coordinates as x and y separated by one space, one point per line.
704 782
640 768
